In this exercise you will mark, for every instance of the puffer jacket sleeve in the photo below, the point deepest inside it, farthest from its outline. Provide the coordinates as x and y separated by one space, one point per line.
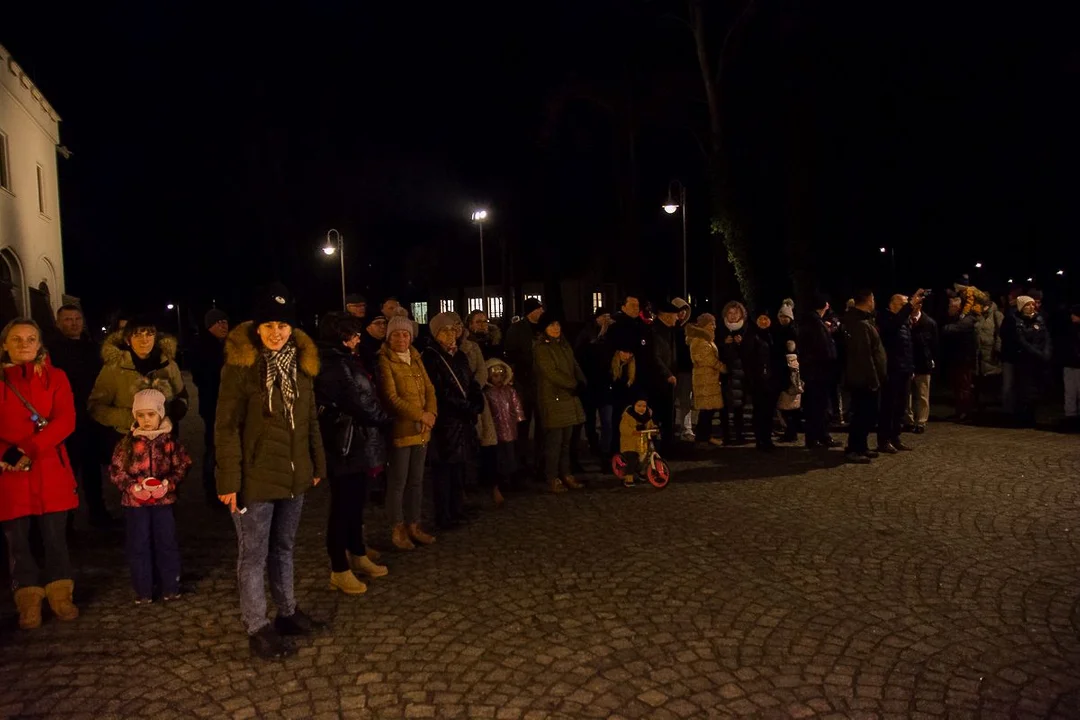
228 429
181 462
61 419
102 397
318 455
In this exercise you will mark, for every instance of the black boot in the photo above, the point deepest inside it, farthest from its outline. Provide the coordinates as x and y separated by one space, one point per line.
299 623
267 644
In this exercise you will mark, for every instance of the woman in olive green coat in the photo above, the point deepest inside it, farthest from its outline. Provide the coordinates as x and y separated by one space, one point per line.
559 382
269 453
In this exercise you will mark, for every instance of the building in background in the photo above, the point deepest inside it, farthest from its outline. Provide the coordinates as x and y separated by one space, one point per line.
31 258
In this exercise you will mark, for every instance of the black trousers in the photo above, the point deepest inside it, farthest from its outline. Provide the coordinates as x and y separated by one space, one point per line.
737 417
762 416
703 429
84 449
345 528
448 487
527 392
893 407
864 410
816 412
23 568
662 400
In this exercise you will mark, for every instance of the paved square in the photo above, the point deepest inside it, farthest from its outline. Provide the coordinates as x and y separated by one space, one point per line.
939 583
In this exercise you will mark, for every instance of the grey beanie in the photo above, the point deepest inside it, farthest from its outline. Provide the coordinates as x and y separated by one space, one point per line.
443 320
399 322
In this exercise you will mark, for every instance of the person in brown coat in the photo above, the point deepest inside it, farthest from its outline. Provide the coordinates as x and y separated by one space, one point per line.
705 356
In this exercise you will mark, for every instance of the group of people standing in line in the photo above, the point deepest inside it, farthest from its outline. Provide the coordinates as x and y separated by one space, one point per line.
372 402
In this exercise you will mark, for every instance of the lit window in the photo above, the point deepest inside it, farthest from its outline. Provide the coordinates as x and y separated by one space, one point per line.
476 304
41 190
495 304
597 300
446 306
419 311
537 298
5 178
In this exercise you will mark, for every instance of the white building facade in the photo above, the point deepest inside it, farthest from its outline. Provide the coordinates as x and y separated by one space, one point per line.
31 257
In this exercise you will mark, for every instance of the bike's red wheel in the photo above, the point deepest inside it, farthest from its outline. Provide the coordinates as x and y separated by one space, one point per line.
659 475
618 466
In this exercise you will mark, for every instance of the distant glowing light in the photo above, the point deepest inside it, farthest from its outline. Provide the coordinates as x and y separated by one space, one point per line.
883 250
1060 272
1031 279
170 306
329 250
671 208
978 265
1010 281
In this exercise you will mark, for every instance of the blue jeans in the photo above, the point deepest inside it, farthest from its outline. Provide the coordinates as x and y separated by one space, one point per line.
267 531
150 542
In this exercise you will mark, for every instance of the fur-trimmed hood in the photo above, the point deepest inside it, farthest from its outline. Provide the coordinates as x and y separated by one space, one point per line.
240 351
496 362
114 350
697 332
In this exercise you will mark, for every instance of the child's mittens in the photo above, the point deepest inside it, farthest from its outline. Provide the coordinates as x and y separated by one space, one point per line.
140 493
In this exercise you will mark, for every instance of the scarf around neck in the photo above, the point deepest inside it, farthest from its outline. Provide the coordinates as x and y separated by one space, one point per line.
281 371
163 428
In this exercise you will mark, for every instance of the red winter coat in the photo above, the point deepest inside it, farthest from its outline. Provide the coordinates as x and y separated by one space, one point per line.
49 485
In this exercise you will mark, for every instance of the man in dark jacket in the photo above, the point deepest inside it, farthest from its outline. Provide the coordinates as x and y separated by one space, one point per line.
1071 361
684 373
72 350
759 362
900 367
960 350
924 343
208 359
664 379
817 365
593 353
371 341
865 373
519 355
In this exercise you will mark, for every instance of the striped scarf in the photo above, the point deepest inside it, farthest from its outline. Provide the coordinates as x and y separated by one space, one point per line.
281 370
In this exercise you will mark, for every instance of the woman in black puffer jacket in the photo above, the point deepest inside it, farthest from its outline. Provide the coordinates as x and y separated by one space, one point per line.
729 339
345 393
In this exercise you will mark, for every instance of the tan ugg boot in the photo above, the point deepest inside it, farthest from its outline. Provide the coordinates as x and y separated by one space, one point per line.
420 536
28 601
347 583
372 554
362 564
571 482
59 594
400 538
557 486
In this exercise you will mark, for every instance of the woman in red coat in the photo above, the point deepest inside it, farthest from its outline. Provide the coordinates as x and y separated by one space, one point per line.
37 412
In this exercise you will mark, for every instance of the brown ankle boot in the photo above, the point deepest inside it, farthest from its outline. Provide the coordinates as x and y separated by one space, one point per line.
557 486
419 535
498 498
59 594
571 482
28 601
400 538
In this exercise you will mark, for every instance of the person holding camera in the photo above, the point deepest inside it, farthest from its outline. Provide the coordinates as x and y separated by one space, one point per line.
37 413
900 368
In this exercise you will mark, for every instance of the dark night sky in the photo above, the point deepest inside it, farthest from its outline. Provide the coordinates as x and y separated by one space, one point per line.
213 149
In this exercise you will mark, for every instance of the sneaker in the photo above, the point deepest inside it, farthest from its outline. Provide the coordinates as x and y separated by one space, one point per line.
919 429
887 448
299 623
628 481
144 601
267 644
902 447
170 597
829 443
856 458
688 436
872 454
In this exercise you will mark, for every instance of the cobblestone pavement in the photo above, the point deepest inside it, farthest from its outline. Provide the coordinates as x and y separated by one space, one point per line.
938 583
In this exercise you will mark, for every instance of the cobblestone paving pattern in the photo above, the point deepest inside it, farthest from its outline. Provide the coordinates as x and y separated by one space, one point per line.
938 583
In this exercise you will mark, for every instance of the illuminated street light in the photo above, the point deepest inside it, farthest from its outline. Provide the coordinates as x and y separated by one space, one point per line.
1060 272
1010 281
671 207
882 250
170 306
978 265
478 217
338 247
1031 279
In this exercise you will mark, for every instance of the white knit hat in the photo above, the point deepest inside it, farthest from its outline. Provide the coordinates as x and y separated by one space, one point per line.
400 322
149 399
1022 301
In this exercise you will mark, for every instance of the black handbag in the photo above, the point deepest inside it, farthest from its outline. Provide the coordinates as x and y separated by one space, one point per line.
344 431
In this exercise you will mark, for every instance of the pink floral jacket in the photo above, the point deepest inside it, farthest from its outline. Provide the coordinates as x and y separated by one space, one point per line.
147 471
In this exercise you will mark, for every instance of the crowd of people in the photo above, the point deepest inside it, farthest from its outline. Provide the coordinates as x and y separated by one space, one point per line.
372 403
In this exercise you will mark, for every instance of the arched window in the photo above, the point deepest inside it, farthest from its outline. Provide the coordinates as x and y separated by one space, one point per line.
41 304
11 305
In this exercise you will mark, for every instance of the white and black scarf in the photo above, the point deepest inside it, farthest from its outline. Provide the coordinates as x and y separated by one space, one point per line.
281 370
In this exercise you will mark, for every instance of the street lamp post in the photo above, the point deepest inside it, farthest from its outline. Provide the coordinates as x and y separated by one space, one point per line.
671 207
339 247
179 322
479 216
